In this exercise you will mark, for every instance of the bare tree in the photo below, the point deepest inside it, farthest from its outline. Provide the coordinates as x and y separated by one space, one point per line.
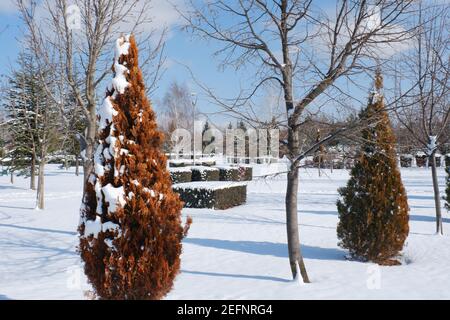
425 112
78 36
176 109
303 50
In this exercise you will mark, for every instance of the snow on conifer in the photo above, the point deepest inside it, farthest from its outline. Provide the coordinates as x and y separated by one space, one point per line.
130 228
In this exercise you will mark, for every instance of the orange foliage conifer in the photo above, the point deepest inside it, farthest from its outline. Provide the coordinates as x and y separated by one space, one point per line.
373 208
130 228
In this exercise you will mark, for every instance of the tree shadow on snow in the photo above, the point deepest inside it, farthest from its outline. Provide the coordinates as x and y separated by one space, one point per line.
239 276
12 207
11 187
269 248
415 217
70 233
419 197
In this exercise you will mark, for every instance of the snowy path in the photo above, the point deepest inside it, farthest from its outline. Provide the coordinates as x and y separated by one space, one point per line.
232 254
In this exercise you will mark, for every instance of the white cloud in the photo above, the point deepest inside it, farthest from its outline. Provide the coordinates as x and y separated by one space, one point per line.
162 13
7 6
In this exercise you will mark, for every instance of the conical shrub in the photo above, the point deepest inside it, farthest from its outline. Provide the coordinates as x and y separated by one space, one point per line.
130 228
373 208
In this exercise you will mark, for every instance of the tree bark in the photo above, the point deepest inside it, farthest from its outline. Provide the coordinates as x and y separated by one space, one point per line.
66 162
88 164
437 198
77 165
295 255
33 172
41 187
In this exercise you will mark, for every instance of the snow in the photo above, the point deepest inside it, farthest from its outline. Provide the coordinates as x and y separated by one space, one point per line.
119 82
208 185
420 154
432 145
95 227
114 196
203 168
240 253
105 113
122 47
180 169
99 169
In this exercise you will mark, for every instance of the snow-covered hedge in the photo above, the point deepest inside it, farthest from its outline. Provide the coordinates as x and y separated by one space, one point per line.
181 175
229 174
177 163
202 173
213 195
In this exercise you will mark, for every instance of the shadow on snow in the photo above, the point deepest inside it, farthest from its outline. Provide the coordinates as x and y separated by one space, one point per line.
239 276
269 248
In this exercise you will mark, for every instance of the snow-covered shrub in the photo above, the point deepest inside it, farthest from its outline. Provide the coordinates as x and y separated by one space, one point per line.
201 173
229 174
130 228
181 175
373 208
214 195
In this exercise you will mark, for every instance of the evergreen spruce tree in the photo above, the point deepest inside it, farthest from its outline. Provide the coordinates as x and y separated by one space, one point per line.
373 209
130 228
20 107
33 120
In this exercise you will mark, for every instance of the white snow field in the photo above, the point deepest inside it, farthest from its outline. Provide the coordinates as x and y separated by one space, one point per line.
240 253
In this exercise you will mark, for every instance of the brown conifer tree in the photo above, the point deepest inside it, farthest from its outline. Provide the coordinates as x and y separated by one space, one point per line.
130 228
373 208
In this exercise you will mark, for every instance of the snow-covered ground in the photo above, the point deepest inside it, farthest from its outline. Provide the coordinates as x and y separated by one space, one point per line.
233 254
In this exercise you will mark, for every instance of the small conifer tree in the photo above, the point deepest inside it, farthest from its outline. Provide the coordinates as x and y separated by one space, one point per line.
373 208
130 228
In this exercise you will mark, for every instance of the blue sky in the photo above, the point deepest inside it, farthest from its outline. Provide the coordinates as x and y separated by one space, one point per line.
181 48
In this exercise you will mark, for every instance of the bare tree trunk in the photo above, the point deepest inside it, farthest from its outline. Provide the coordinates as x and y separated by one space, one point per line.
66 162
88 164
77 165
33 171
41 187
295 256
437 198
12 177
320 165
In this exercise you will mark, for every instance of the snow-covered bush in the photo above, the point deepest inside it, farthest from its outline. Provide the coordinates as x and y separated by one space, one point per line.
202 173
181 175
130 228
214 195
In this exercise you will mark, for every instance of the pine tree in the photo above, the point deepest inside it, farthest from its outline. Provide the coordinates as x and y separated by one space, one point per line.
373 208
33 120
130 228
